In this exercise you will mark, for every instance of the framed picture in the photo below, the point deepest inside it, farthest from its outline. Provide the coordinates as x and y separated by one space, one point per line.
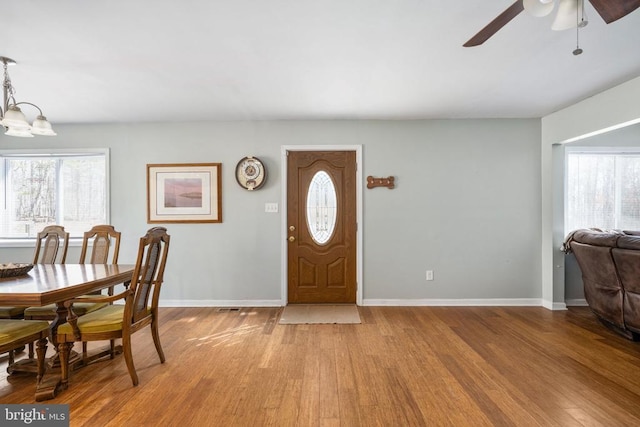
190 192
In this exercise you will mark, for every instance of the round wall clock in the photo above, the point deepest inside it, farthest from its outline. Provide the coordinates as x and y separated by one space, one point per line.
251 173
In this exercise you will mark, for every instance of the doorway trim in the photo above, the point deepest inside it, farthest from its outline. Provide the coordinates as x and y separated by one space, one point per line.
283 214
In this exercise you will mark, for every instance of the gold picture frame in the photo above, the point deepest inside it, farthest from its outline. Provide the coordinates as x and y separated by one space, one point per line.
184 193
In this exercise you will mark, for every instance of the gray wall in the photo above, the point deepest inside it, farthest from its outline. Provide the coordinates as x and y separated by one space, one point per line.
467 205
625 137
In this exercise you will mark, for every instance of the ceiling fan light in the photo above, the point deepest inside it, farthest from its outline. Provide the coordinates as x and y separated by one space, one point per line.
15 118
23 133
538 8
568 11
41 126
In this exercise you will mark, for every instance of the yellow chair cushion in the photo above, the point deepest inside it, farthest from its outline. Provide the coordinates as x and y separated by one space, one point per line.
11 312
15 330
79 308
108 319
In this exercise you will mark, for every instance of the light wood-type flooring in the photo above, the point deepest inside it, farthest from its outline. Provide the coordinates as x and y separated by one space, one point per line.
403 366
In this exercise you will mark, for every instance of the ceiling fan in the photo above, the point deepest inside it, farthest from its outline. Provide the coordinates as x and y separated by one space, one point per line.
609 10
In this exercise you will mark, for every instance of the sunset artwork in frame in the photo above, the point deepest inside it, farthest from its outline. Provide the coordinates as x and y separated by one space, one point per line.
188 192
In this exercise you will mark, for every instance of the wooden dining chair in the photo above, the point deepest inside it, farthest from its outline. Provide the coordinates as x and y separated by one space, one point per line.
9 312
105 243
51 245
50 242
140 307
100 245
17 333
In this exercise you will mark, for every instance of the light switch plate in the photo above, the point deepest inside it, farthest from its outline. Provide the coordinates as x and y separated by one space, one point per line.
271 207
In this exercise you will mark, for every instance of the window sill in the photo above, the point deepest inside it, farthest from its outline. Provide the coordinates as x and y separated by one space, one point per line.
31 243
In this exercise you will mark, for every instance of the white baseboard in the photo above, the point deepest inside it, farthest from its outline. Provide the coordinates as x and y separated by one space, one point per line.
524 302
577 303
489 302
220 303
554 305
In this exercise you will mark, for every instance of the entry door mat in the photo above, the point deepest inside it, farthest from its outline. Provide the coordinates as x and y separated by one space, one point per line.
305 314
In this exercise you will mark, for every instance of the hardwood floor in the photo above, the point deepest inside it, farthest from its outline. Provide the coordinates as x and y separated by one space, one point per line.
403 366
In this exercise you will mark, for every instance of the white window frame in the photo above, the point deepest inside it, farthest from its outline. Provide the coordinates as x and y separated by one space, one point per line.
589 150
73 241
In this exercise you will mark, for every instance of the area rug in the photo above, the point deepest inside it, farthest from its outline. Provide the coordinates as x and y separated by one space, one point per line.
301 314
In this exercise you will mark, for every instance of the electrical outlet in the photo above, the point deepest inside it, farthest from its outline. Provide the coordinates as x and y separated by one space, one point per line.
429 274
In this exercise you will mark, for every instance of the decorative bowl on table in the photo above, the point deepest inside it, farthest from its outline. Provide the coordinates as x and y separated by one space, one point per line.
13 270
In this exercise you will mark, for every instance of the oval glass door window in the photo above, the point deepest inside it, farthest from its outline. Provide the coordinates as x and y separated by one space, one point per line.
322 207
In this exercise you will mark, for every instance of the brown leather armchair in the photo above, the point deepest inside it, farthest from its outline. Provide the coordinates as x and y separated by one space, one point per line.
610 265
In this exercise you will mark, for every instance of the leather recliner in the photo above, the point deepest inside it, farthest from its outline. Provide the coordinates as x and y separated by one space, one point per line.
610 266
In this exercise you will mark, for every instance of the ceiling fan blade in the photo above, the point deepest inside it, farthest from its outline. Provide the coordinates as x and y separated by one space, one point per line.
611 10
495 25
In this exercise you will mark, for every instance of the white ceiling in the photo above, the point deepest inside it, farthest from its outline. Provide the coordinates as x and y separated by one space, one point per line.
144 60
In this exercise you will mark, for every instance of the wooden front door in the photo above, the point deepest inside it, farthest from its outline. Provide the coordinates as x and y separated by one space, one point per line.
321 226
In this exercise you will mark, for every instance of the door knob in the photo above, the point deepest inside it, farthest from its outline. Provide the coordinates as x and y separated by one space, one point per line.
292 228
292 239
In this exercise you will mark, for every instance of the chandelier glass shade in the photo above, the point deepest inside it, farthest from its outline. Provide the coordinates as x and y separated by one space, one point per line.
11 115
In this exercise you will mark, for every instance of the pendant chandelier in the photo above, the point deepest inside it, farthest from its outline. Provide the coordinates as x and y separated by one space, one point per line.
12 117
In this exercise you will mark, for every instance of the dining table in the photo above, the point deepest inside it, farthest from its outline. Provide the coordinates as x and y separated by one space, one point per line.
54 284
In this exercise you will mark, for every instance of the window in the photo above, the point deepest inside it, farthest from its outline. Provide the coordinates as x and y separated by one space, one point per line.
43 188
603 190
321 207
